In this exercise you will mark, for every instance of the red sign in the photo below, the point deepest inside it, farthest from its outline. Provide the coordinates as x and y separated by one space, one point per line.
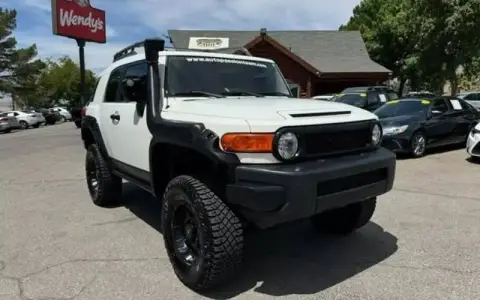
77 19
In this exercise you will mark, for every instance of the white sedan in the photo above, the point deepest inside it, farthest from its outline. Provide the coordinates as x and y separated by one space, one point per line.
473 142
27 119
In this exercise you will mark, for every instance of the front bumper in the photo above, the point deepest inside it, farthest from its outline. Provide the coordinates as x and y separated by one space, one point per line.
473 144
268 195
399 143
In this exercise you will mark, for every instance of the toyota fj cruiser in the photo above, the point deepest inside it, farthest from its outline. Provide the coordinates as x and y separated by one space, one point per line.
220 141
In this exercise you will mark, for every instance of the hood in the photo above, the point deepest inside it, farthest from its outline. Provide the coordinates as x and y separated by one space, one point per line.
289 110
399 120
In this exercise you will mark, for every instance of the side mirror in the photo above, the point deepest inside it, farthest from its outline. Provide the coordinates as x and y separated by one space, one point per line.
436 113
132 90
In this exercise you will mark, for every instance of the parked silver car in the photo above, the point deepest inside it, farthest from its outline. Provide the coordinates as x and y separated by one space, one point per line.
7 124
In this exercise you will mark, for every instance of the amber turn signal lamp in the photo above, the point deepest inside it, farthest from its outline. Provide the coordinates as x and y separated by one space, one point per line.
247 142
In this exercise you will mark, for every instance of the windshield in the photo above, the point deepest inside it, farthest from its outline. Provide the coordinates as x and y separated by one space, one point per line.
352 99
402 108
211 76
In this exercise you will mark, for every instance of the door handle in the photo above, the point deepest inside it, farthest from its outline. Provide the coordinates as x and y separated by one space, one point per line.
115 117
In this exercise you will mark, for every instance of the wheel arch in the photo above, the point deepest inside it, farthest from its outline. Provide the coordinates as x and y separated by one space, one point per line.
169 159
91 135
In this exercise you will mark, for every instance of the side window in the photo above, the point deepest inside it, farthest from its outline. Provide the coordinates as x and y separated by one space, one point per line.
16 114
439 106
392 95
476 97
470 97
373 98
134 83
113 85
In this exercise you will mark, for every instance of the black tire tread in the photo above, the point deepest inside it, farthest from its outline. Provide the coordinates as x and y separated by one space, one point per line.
109 185
224 241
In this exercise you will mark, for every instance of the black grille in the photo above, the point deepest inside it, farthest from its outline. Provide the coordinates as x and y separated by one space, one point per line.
341 138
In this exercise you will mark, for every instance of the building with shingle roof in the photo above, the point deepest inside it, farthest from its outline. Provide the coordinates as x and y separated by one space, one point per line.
316 61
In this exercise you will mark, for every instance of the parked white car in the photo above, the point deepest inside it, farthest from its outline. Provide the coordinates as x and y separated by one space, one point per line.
473 142
472 98
27 119
66 115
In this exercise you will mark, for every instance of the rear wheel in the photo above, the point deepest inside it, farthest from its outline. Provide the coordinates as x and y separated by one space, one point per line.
105 188
418 144
203 237
23 125
345 220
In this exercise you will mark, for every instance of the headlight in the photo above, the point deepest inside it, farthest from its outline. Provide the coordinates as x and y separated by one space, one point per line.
287 146
376 134
394 130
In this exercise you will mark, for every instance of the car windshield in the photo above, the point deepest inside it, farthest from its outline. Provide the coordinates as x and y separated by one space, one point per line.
220 77
352 99
402 108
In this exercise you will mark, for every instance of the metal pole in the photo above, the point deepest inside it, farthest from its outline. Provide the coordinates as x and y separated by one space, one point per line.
81 52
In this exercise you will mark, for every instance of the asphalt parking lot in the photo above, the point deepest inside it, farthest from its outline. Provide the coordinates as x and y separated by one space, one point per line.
423 242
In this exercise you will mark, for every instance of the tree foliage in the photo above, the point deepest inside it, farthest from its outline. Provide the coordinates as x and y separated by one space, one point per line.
60 80
18 67
424 41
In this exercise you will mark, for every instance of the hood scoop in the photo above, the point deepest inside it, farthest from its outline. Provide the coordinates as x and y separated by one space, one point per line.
319 114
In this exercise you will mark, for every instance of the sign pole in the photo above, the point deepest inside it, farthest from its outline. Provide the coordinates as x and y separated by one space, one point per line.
81 52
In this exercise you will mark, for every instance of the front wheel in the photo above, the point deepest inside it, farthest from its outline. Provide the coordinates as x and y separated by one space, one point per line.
203 237
105 188
345 220
418 144
23 125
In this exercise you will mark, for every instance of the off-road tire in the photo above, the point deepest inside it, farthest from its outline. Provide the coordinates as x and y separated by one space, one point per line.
345 220
109 192
222 233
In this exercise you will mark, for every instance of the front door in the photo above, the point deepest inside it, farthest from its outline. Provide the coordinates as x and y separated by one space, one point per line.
440 126
127 135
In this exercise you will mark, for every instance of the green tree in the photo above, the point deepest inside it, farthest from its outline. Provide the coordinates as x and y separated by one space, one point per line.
60 80
450 38
18 67
388 29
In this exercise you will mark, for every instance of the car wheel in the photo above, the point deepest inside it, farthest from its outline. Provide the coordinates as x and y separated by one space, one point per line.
36 126
418 144
7 131
23 125
203 237
63 119
346 219
105 188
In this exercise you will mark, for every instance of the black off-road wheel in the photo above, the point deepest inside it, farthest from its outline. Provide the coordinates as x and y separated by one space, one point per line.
345 220
105 188
203 237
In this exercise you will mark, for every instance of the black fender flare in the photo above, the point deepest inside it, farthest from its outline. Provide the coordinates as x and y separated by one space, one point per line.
90 123
192 136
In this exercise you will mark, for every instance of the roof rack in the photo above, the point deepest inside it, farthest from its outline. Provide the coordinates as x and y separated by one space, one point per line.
130 50
234 50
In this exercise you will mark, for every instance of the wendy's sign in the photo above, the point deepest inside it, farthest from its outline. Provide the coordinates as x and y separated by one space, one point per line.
77 19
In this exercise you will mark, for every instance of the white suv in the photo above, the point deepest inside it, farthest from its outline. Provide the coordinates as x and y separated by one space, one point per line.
220 141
